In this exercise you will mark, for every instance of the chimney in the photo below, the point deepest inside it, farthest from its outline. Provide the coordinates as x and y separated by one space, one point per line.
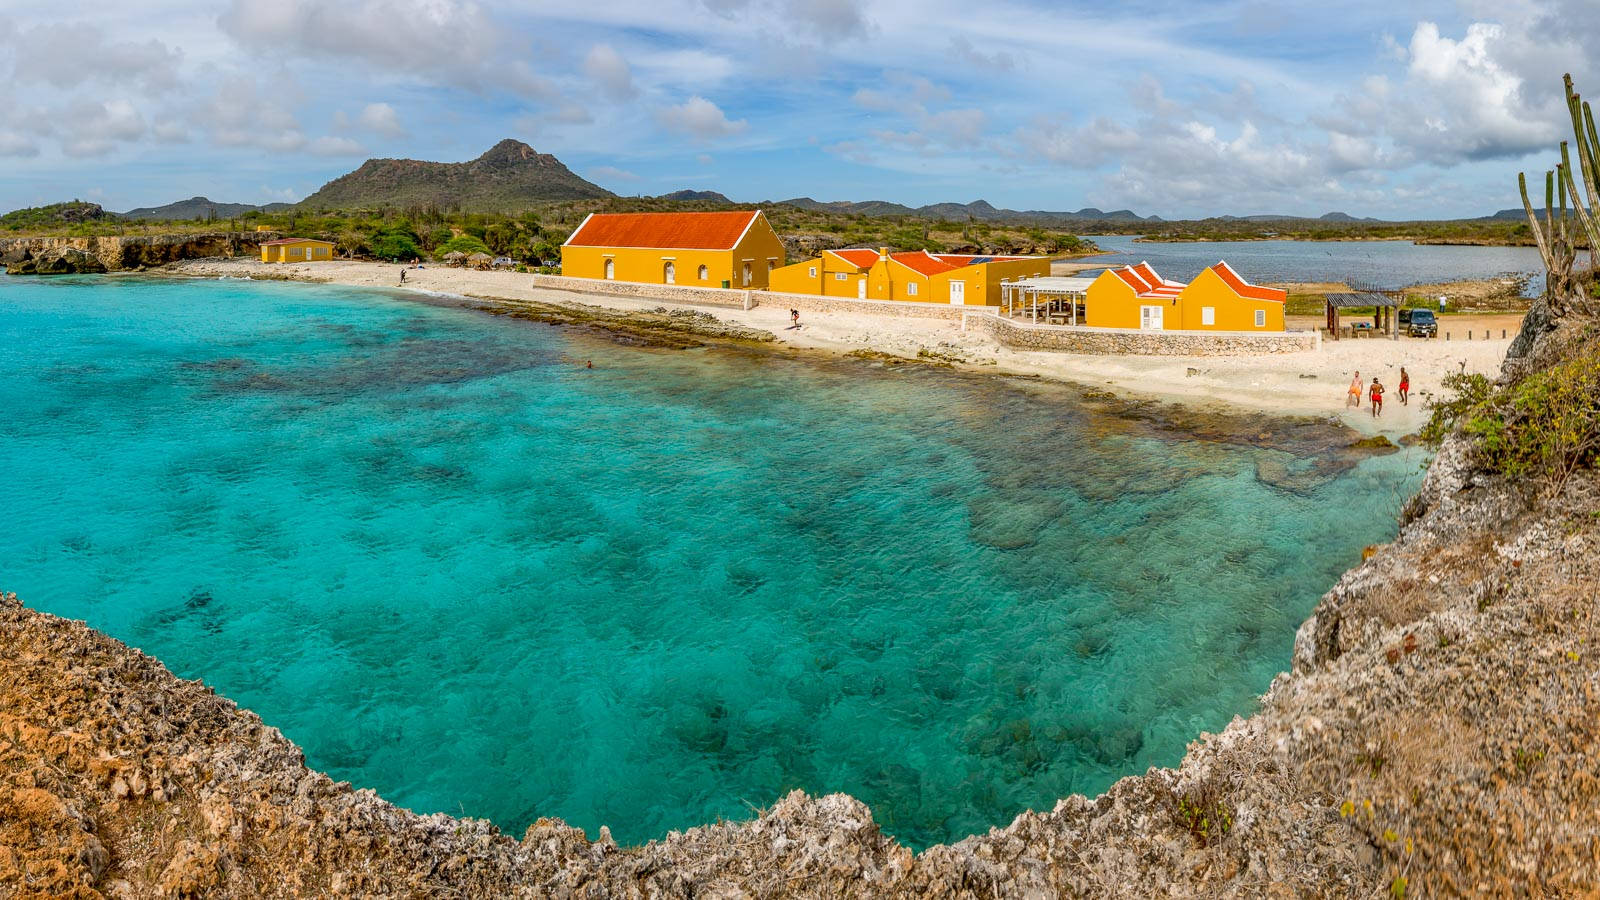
883 252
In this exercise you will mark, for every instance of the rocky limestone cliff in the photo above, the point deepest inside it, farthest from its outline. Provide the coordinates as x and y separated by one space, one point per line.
65 255
1436 734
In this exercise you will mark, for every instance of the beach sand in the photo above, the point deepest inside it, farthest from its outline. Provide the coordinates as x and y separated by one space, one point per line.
1306 383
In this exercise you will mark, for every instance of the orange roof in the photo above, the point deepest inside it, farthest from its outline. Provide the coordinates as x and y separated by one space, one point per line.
666 231
861 258
1146 283
1246 289
969 259
922 262
294 241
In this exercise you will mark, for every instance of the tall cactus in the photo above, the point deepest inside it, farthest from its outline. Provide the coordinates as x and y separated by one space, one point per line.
1555 235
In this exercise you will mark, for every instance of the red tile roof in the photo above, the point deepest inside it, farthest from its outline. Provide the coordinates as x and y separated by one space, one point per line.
968 259
294 241
665 231
861 258
1246 289
922 263
1146 283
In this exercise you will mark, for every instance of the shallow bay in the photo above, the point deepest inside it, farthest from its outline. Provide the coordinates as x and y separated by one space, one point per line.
459 567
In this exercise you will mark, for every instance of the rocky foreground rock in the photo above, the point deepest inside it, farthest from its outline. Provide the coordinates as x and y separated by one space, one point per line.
87 255
1436 734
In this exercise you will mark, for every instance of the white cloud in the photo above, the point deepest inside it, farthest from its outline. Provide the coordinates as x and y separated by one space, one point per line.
383 119
700 119
606 67
67 55
91 128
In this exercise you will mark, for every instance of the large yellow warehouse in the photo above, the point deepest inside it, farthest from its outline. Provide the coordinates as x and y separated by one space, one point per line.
702 249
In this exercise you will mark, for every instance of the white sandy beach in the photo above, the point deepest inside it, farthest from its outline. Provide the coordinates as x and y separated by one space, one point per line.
1311 382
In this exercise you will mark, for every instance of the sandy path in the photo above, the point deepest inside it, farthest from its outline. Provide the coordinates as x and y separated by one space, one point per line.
1311 382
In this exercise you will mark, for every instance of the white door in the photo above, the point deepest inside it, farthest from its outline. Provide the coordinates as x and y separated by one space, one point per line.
1150 317
611 269
746 274
958 292
671 274
861 289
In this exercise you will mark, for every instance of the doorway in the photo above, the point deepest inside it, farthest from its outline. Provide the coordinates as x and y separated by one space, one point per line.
1150 318
958 293
669 273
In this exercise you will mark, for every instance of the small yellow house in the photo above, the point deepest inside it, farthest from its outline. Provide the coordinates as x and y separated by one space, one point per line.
920 276
1219 299
288 250
703 249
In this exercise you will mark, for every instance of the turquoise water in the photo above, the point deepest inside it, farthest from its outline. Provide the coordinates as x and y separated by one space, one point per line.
460 568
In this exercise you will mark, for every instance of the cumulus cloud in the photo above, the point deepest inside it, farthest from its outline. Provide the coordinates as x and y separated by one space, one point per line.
1455 102
70 55
381 118
700 119
452 42
333 146
606 68
94 128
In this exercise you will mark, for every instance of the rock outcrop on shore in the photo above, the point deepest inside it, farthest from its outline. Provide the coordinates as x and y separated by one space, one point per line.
85 255
1436 734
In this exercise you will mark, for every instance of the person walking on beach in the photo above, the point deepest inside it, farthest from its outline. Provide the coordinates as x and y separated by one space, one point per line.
1405 387
1377 397
1355 392
794 315
402 275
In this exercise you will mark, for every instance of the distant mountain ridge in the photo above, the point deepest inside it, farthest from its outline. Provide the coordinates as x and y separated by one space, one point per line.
198 208
980 210
510 177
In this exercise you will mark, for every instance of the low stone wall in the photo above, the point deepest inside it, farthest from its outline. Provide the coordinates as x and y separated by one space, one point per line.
903 308
670 293
1139 342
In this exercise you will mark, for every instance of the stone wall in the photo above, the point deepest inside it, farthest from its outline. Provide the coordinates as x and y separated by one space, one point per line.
670 293
1139 342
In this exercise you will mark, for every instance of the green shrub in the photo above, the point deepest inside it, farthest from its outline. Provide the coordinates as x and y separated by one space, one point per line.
1540 429
400 245
463 243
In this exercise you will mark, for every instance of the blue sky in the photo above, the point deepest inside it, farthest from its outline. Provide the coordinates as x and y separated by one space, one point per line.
1423 109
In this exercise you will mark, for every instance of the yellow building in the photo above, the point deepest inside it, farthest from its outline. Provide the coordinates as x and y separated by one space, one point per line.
701 249
296 250
1219 299
919 276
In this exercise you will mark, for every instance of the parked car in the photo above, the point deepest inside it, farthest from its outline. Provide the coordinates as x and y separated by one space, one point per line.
1422 323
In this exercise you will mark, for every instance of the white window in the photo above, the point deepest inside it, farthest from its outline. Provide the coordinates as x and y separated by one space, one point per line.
1208 315
839 276
811 272
1261 318
911 289
704 272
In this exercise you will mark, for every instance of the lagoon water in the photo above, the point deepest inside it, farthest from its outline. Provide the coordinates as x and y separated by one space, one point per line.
1382 265
460 568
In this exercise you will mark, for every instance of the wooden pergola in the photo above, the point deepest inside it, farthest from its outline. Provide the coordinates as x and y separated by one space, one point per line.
1061 296
1383 317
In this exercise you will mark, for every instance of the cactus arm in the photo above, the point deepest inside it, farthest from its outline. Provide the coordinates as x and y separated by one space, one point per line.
1533 223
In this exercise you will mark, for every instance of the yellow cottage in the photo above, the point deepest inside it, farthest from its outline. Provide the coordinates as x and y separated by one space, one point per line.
920 276
296 250
701 249
1218 299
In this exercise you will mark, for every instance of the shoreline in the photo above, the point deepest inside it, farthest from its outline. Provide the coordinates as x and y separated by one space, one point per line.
1309 383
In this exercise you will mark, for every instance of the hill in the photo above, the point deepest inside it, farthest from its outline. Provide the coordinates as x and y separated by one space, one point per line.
198 208
70 213
510 177
688 196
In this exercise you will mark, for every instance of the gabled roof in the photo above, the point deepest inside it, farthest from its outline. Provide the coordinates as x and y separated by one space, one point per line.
295 241
966 259
665 231
1146 283
1246 289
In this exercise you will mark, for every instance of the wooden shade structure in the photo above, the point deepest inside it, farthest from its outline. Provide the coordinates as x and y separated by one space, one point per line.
1383 319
